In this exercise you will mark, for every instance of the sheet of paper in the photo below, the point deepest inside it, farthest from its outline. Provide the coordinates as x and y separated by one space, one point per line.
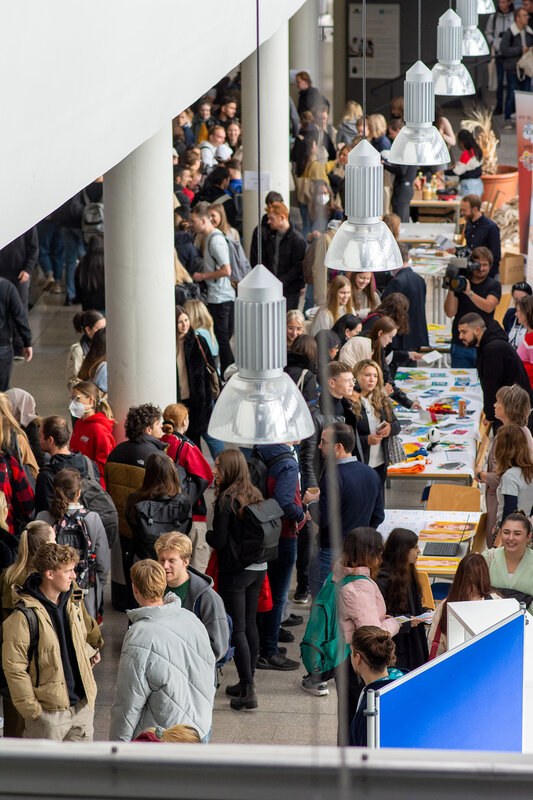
432 356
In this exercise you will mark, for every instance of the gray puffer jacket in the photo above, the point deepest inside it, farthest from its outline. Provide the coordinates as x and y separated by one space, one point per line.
166 672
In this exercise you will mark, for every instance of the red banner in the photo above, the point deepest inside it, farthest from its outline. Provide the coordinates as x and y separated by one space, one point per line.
524 135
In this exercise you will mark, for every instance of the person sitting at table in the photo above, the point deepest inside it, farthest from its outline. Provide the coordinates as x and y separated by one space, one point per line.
365 299
498 364
471 582
512 406
514 329
383 332
481 295
347 326
514 465
524 315
405 281
400 587
468 168
373 659
375 420
480 231
339 303
511 565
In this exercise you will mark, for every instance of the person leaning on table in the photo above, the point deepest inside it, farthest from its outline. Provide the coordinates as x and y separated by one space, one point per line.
511 565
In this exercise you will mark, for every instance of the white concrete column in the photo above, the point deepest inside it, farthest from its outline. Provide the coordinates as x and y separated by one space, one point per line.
274 98
139 268
304 50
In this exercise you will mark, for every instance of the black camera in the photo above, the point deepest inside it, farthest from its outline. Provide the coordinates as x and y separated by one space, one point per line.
458 272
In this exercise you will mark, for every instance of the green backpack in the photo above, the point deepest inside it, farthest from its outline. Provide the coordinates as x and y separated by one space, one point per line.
323 646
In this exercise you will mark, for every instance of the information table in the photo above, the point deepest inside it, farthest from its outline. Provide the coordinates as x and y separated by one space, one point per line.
454 458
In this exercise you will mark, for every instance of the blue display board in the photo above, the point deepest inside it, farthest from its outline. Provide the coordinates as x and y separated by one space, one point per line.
468 699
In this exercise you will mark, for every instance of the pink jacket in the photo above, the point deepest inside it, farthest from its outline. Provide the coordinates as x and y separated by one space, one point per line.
361 603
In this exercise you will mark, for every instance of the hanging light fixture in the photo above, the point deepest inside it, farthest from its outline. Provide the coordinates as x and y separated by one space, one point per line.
451 77
260 404
419 141
363 243
485 7
474 43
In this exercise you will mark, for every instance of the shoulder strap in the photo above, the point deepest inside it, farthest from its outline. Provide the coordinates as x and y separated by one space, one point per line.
301 379
91 470
277 458
86 198
33 625
202 350
350 578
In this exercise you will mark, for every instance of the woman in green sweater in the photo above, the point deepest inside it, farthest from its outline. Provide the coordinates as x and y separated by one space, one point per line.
511 566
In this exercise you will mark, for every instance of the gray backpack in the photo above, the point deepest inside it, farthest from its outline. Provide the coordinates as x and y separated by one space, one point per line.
240 266
92 218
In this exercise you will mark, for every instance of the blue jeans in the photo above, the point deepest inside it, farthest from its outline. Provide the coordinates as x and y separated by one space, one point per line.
51 251
319 569
513 85
215 445
463 357
74 250
309 297
279 576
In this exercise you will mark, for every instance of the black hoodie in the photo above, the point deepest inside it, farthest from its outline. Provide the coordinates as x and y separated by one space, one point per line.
296 364
60 621
498 364
44 485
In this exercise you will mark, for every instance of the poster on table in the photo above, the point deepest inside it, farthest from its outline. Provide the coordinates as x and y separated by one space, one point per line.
382 40
524 135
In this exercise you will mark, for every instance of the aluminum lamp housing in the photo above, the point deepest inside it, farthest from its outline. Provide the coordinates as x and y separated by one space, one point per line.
260 404
363 243
474 43
419 142
450 76
485 7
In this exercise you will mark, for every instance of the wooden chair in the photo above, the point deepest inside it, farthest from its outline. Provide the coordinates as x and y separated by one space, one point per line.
502 307
427 594
450 497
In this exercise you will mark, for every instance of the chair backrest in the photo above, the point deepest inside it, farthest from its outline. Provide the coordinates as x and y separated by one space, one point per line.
502 307
480 539
427 595
450 497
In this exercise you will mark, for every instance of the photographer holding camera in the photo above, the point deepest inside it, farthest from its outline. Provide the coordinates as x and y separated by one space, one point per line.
470 290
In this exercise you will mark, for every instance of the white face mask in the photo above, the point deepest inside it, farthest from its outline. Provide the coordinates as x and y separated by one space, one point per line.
323 199
77 409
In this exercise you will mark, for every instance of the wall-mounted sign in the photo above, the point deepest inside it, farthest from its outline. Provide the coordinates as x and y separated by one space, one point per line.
382 40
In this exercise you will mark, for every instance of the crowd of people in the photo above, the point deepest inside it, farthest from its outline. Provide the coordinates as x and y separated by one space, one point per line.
70 495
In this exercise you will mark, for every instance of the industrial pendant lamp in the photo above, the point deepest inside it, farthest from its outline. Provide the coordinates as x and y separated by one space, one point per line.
260 403
451 77
474 43
363 243
419 141
485 7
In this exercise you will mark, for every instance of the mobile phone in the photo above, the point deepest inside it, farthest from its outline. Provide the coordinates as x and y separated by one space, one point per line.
381 426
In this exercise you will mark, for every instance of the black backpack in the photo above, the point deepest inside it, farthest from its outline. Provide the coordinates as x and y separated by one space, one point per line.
73 530
96 499
155 517
259 468
33 648
262 529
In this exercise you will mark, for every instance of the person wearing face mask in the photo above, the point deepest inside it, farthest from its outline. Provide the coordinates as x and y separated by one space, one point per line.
322 209
92 434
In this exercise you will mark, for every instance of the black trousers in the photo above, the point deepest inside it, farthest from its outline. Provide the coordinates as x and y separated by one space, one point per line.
303 558
400 200
292 298
240 593
346 712
24 293
223 322
6 366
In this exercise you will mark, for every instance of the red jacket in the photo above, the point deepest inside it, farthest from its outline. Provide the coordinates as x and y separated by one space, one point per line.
93 438
190 457
14 482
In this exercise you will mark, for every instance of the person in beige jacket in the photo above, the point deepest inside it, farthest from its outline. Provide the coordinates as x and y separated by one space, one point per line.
55 691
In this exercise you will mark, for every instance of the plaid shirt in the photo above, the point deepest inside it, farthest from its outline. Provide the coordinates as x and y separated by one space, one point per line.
19 486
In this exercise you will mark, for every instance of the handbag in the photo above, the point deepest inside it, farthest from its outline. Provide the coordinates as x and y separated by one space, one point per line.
435 644
214 384
395 450
524 65
304 190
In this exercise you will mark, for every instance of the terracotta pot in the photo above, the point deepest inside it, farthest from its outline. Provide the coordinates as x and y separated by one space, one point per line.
505 182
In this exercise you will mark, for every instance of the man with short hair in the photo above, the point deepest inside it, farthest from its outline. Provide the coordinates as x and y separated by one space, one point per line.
284 253
52 687
208 148
18 259
497 24
194 589
54 437
13 317
215 190
216 271
480 231
326 150
515 41
227 111
404 176
166 670
413 286
266 230
498 363
481 295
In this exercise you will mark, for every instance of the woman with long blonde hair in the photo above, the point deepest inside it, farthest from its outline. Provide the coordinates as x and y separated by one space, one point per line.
202 323
375 420
514 465
33 536
364 296
379 139
347 130
218 217
339 302
13 440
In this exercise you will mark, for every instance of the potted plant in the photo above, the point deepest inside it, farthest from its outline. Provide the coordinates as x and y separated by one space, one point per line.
496 177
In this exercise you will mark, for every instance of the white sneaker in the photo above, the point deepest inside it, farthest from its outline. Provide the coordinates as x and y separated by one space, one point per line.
316 689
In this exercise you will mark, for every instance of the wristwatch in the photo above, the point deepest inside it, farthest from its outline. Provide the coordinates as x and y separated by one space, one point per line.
471 293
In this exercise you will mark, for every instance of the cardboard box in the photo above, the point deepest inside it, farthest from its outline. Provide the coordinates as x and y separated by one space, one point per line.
511 268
